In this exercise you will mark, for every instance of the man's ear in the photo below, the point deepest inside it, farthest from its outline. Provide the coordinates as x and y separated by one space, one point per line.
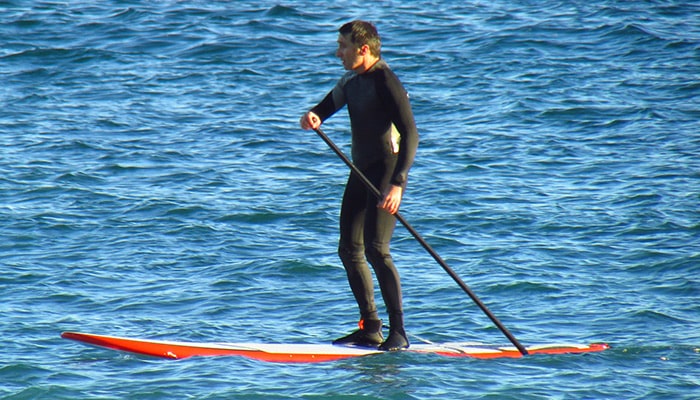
364 50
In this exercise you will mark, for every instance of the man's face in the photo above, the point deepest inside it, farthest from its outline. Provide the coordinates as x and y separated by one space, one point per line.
349 53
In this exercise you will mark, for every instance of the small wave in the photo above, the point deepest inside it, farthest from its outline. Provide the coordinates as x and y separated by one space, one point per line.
210 50
186 211
43 53
53 61
632 33
655 317
79 177
128 13
282 11
529 287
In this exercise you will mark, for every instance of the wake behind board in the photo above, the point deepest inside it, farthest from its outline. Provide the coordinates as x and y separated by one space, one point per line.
306 353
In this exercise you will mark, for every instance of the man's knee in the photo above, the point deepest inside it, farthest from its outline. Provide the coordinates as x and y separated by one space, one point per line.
377 254
351 254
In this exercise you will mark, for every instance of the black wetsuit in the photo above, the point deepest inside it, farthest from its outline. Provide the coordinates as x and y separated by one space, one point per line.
384 143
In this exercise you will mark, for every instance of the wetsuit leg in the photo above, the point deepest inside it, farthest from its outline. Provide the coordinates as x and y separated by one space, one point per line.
378 230
351 248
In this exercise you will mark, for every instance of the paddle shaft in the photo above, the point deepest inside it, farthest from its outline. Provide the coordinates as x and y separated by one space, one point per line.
425 244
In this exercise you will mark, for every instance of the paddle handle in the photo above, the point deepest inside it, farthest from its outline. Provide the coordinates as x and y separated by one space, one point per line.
423 243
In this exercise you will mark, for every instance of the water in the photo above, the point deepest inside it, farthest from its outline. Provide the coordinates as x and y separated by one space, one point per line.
154 183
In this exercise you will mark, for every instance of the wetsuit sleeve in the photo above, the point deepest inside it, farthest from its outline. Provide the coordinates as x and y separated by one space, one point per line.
325 108
334 101
396 98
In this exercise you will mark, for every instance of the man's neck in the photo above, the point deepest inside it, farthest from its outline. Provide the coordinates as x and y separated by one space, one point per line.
367 64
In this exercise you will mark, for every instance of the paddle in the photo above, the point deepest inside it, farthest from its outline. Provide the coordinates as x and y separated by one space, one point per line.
425 244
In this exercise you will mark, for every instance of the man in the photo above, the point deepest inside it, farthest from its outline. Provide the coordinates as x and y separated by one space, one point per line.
384 143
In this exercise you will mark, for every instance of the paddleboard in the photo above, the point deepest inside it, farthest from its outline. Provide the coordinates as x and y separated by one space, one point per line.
307 353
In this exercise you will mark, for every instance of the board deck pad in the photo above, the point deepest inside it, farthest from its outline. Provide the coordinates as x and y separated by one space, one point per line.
278 352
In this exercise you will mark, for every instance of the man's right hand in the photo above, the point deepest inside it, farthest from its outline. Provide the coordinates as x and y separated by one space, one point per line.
310 121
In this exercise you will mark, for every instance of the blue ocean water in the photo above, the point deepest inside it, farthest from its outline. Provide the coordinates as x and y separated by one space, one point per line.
154 183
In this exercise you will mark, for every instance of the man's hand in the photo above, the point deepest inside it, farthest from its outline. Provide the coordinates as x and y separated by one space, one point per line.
392 199
310 121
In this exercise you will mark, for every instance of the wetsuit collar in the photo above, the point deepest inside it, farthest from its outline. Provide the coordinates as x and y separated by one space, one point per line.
371 67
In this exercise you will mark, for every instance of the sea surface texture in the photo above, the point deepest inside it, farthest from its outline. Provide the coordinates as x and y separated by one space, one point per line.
154 182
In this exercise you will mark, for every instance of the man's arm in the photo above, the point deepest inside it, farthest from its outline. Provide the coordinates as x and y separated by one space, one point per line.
333 102
399 106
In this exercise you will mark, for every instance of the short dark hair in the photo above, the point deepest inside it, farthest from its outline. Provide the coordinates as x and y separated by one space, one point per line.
363 32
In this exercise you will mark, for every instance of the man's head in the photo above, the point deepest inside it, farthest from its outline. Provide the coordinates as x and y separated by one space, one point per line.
359 45
361 33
